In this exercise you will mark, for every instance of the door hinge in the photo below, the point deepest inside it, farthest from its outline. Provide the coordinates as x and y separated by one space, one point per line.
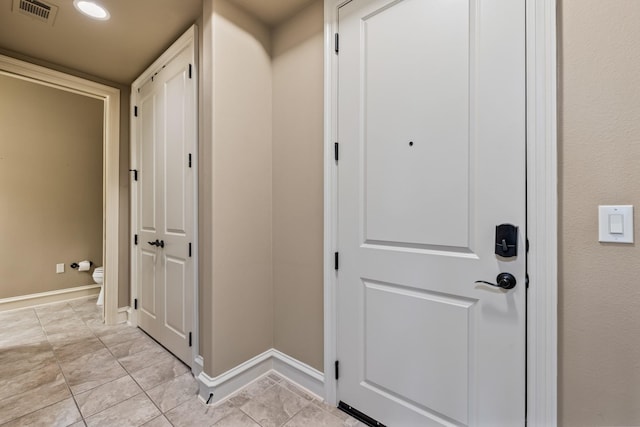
527 245
335 261
190 339
337 43
189 249
135 111
526 280
135 304
135 174
189 159
337 369
135 239
189 70
335 151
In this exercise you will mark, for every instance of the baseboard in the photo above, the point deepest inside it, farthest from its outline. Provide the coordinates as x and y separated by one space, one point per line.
33 300
219 388
298 372
123 315
198 366
226 384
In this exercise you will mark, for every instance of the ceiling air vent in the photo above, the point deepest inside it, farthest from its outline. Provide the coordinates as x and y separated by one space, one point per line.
39 10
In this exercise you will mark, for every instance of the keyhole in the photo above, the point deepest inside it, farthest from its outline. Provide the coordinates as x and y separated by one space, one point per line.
410 143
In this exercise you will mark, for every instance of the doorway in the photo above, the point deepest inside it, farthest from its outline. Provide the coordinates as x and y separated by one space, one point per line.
111 136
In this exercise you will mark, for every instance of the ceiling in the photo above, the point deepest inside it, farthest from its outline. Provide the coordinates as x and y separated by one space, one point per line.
120 49
272 12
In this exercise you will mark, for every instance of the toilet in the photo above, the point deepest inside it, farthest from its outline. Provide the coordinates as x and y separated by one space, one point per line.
98 277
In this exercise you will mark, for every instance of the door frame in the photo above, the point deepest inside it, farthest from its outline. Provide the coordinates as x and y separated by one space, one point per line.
542 208
110 96
190 37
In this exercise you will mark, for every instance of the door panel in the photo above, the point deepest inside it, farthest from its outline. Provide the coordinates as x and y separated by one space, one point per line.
175 89
431 125
432 358
416 130
148 159
176 296
148 284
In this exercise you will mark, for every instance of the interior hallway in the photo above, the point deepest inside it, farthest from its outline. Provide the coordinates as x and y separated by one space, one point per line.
61 366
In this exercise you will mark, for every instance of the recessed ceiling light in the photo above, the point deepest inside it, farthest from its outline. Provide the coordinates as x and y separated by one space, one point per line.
92 9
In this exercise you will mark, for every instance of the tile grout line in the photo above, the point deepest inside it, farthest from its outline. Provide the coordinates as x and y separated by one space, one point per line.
66 382
277 383
274 383
50 349
307 403
143 391
82 418
80 318
127 374
140 385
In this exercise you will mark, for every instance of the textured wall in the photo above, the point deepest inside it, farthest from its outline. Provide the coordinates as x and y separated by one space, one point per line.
599 288
50 186
298 185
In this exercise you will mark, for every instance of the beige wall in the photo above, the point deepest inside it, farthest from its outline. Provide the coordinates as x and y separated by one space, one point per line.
599 140
236 280
50 186
261 187
298 185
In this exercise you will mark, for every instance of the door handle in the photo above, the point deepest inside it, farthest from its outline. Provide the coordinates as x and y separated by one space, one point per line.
505 281
159 243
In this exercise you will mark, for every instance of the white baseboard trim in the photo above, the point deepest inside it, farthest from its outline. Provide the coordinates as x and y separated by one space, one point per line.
42 298
299 373
227 383
198 366
123 315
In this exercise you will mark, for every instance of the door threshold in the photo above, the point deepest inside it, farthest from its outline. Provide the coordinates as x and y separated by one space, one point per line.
364 418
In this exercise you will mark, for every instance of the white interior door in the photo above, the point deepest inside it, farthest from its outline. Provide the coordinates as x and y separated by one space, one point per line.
166 189
431 127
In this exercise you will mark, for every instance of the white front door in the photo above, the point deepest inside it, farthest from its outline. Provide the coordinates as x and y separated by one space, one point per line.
431 131
166 142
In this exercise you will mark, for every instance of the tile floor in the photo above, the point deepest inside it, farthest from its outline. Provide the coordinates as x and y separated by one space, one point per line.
61 366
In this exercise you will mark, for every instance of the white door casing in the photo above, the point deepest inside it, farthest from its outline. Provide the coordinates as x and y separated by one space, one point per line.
431 126
164 214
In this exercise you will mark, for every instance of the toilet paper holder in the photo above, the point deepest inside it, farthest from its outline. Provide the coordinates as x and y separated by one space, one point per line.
76 265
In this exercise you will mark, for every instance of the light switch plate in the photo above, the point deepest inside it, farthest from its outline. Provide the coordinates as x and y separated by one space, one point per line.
609 229
59 268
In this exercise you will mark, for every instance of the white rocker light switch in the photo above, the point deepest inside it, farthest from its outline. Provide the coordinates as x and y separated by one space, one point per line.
616 224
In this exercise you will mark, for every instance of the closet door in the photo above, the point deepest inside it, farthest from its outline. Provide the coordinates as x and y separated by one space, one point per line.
165 144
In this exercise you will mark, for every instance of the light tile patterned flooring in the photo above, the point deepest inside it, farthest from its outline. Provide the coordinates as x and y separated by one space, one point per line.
61 366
